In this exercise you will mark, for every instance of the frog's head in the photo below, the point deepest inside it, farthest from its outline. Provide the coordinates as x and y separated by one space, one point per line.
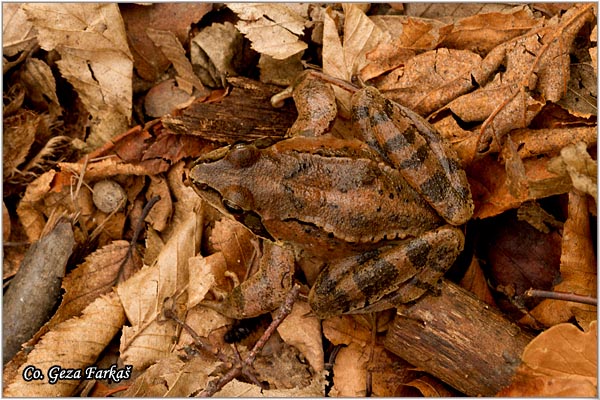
226 178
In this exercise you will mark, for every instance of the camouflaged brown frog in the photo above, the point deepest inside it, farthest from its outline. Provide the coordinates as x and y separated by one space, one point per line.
379 210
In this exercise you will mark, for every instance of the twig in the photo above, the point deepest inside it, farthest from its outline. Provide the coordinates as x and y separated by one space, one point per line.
577 298
136 234
284 310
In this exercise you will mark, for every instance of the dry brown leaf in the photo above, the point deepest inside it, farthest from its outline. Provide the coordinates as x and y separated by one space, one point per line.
205 322
90 280
560 362
109 167
582 92
482 32
409 35
170 46
172 377
580 166
178 18
431 80
430 387
474 281
28 210
452 11
594 49
216 53
162 211
516 179
350 371
487 178
37 77
150 338
273 29
536 142
578 268
18 135
236 388
345 330
75 343
537 60
202 276
5 224
17 32
345 60
238 245
95 59
304 333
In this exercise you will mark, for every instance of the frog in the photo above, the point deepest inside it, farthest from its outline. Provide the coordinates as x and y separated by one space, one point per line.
381 210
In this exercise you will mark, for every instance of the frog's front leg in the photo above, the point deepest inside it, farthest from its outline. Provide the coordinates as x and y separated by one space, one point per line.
381 278
265 290
409 143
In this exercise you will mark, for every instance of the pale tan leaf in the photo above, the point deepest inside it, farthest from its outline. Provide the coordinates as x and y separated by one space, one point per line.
171 377
345 330
202 278
346 60
17 31
204 321
75 343
143 296
580 166
350 371
162 211
564 350
560 362
215 51
236 388
41 87
28 211
304 332
90 280
108 168
95 59
577 268
273 29
170 46
238 246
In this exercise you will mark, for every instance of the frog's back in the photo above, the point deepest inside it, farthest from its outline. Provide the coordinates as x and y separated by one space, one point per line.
356 200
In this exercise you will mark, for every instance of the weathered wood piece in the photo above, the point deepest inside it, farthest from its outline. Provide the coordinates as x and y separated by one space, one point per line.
459 339
245 114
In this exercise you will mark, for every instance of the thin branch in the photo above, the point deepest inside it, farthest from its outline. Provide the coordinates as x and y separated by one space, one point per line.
577 298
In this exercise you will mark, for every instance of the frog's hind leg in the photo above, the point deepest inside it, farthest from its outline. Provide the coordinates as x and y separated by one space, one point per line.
408 142
432 255
381 278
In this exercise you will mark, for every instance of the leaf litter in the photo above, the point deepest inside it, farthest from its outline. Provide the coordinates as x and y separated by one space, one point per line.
498 81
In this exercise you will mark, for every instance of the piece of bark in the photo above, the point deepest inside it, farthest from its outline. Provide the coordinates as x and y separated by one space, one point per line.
459 339
35 289
245 114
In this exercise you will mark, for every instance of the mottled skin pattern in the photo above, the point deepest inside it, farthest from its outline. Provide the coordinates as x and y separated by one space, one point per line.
379 211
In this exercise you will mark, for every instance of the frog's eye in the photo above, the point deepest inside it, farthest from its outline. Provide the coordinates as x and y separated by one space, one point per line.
243 155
